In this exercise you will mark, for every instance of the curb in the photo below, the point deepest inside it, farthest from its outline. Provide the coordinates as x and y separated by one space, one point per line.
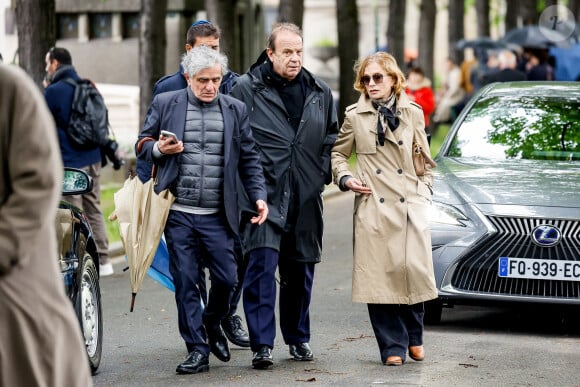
116 249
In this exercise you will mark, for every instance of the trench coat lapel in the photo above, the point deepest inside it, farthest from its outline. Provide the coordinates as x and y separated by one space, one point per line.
364 105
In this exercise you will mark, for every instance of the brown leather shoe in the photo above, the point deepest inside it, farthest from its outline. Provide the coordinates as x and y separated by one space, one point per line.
417 353
394 361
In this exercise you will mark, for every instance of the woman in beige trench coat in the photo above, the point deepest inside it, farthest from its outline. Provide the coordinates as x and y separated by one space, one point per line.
40 337
393 268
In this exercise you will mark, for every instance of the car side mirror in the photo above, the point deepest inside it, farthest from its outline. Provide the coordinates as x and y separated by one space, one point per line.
76 182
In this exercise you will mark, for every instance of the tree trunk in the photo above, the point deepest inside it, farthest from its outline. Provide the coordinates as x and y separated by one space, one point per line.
427 37
291 11
574 6
456 15
529 12
152 42
511 14
36 28
396 31
223 13
347 21
482 10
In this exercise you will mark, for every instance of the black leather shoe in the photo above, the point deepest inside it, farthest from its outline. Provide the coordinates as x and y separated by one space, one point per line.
218 343
195 362
263 358
301 352
234 331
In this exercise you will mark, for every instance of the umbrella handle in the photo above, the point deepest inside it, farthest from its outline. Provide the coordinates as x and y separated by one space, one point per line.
132 301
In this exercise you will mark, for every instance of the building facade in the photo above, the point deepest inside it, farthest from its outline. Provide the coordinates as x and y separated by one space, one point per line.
103 36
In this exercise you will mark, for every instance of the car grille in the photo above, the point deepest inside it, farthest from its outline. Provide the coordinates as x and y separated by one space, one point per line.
477 271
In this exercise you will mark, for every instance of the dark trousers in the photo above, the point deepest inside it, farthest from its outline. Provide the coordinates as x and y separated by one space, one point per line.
259 298
187 235
237 294
397 327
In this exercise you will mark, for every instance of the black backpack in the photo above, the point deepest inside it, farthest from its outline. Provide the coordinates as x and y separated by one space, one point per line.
88 126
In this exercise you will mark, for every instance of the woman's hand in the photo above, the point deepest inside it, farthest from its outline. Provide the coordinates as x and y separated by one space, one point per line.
356 185
262 209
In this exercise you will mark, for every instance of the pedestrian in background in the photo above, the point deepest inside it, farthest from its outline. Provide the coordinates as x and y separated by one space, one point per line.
392 268
40 338
450 95
294 122
537 66
507 69
204 33
419 91
59 97
213 145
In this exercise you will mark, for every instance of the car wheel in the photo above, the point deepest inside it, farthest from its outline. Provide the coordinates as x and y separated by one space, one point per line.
433 311
89 311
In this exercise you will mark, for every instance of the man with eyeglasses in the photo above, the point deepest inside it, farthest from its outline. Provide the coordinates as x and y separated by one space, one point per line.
212 146
294 122
204 33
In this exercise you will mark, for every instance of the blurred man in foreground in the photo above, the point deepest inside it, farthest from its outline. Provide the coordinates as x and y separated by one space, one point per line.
40 338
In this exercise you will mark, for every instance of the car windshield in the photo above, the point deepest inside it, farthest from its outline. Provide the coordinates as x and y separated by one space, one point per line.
537 125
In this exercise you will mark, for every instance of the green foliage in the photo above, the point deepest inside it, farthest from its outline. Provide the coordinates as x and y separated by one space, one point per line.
324 42
108 206
437 140
527 127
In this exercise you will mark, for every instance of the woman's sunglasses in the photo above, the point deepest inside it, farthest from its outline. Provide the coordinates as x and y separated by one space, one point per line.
366 79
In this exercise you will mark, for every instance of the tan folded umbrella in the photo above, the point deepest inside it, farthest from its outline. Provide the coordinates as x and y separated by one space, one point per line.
142 215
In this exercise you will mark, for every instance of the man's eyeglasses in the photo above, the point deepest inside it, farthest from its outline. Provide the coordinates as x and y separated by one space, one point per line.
366 79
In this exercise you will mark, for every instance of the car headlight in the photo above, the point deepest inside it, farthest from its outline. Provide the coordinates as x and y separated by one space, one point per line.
446 214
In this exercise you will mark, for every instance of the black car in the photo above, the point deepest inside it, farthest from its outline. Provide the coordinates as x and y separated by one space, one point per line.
505 219
79 263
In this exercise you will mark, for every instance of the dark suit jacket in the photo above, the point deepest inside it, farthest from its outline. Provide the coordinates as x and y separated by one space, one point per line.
168 111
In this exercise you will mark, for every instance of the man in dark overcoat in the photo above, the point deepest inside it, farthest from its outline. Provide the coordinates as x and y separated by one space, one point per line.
294 122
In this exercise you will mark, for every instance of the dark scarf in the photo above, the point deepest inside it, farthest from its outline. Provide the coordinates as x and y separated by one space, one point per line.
386 116
291 92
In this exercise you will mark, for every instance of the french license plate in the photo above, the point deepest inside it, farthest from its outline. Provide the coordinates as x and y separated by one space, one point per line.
538 269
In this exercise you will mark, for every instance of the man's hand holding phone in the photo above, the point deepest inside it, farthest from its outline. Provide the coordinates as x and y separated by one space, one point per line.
169 144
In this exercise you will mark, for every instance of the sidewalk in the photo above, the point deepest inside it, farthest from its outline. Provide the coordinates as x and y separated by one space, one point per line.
117 252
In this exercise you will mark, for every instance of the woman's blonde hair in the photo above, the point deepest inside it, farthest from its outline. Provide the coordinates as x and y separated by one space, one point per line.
387 63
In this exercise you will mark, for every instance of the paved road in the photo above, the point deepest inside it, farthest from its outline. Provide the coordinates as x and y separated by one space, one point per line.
472 346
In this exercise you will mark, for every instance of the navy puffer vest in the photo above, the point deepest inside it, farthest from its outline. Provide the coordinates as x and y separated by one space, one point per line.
201 168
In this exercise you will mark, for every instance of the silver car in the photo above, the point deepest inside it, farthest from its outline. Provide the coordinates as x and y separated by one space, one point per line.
505 219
